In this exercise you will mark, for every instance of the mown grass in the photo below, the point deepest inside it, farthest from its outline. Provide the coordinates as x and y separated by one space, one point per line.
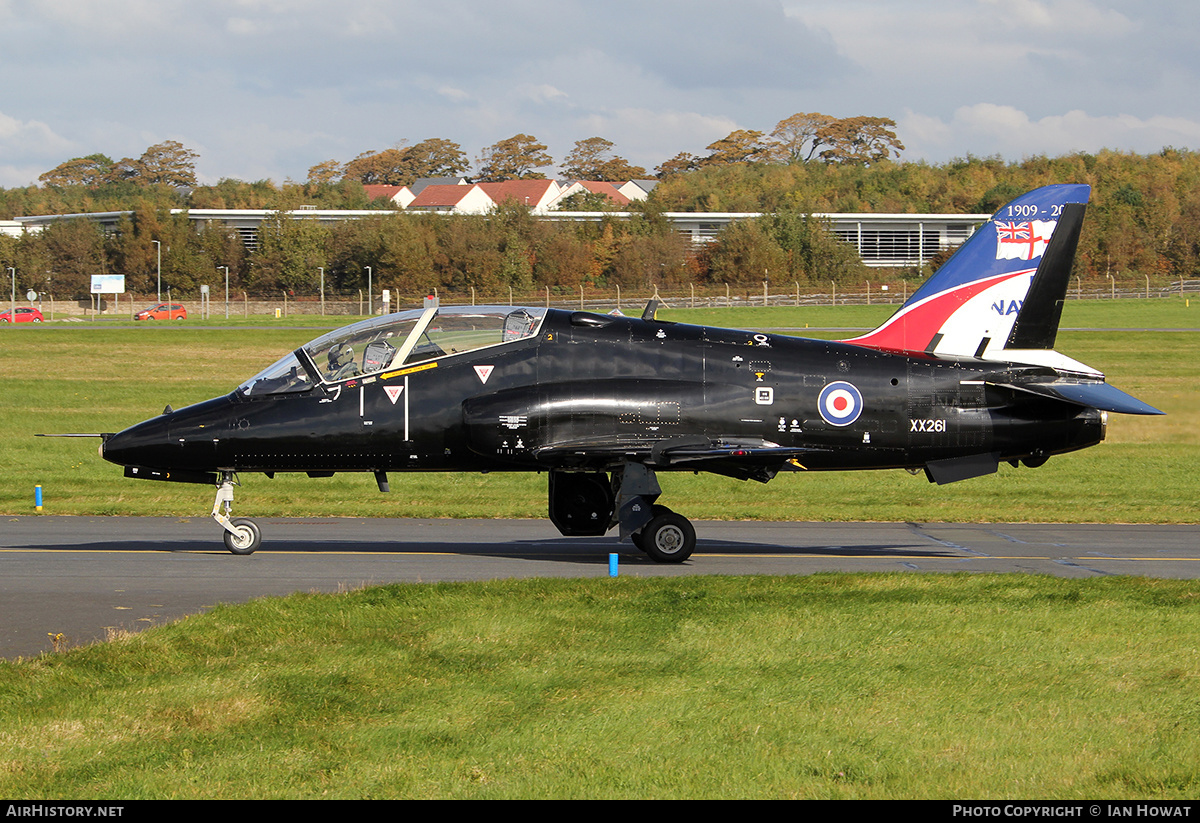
62 378
829 686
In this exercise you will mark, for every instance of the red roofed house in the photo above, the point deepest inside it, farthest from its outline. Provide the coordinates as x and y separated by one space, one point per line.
536 194
609 190
400 195
453 199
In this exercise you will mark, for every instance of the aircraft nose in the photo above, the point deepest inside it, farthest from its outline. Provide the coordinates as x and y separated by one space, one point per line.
145 444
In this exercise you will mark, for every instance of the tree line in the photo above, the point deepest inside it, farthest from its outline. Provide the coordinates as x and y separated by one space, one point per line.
1144 217
508 251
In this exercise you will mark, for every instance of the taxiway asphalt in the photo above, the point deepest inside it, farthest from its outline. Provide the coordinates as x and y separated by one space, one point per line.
85 577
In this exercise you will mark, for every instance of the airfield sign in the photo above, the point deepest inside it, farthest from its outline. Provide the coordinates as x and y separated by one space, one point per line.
108 284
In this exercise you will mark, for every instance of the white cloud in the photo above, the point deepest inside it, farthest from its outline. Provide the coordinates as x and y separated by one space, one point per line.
267 88
639 135
455 94
1077 18
542 93
35 143
987 128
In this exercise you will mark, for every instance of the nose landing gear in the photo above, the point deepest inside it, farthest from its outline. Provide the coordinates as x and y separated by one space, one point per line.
241 533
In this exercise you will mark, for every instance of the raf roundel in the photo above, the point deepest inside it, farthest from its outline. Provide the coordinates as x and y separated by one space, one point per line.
840 403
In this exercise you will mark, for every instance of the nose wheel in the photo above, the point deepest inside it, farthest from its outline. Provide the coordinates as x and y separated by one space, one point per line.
243 536
241 533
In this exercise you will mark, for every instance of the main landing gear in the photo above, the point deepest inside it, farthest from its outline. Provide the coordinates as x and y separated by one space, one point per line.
589 503
241 533
667 538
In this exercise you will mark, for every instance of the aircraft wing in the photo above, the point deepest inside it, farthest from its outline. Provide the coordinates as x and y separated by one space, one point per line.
735 457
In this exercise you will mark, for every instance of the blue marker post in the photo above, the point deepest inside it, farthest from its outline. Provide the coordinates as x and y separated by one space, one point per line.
37 497
612 564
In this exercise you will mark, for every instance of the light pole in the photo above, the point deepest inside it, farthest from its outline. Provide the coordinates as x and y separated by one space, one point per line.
12 318
322 269
159 255
370 310
226 290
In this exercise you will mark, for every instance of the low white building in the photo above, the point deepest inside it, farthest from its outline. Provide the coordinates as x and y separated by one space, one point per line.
882 240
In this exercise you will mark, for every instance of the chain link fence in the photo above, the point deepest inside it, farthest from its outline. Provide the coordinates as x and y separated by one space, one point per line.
244 305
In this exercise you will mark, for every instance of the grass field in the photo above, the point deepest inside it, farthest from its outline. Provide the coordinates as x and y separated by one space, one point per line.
97 377
829 686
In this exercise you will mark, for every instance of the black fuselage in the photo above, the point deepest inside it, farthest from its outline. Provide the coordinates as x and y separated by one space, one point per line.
590 391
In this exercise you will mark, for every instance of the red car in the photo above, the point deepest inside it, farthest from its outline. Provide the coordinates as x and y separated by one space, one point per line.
24 315
163 311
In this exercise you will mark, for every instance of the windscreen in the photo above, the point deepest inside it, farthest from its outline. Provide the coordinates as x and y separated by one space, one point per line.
394 340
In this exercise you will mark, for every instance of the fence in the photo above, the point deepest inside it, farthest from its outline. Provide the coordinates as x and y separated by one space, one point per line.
241 305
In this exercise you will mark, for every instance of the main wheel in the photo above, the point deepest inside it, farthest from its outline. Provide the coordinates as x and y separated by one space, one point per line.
639 536
668 538
247 539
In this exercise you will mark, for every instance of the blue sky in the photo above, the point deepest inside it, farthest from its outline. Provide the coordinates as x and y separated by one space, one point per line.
265 89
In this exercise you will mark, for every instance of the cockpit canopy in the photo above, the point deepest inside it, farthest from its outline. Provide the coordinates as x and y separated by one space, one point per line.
393 341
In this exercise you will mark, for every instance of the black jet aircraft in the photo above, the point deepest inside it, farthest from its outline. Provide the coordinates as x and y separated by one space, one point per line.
962 377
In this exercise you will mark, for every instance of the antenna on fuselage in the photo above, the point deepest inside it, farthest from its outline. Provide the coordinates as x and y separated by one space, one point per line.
651 309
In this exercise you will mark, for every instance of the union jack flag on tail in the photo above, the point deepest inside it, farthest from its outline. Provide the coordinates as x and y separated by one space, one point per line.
1022 241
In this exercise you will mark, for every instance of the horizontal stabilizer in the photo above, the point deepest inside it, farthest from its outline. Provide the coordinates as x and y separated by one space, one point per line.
1093 394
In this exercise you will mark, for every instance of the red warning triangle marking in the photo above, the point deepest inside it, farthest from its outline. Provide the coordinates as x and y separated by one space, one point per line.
484 372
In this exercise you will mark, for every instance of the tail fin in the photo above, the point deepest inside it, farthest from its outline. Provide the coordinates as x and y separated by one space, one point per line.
1002 290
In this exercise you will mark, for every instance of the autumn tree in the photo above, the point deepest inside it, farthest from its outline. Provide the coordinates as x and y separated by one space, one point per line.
661 258
679 164
812 251
436 157
513 159
236 194
592 159
131 250
385 167
798 136
562 257
862 141
125 170
290 251
72 251
92 170
403 165
739 146
325 174
744 254
169 163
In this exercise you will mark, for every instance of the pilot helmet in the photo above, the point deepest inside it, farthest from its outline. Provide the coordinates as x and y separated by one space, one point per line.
340 355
